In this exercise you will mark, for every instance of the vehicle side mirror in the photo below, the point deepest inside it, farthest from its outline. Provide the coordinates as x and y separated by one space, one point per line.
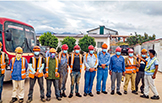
8 35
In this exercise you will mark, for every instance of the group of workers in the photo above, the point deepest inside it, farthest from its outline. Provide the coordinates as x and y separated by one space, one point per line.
55 70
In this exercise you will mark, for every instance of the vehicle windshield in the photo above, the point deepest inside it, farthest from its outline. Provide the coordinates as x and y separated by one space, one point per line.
124 46
22 36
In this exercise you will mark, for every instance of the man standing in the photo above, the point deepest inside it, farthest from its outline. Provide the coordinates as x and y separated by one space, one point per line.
52 75
90 62
117 67
102 72
150 74
63 69
36 65
140 71
4 64
75 70
131 65
18 68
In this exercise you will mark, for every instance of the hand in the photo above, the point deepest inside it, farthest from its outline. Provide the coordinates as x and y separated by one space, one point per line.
91 69
110 73
123 74
56 74
153 77
45 75
103 66
36 74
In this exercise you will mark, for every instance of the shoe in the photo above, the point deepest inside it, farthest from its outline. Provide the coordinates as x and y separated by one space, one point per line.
104 92
142 92
155 97
90 94
112 92
125 92
58 98
85 94
71 95
119 93
134 92
60 95
43 99
63 95
144 96
0 101
48 98
21 100
98 92
78 95
13 100
29 100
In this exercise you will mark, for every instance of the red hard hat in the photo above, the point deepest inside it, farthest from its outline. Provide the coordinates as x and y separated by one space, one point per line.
130 51
90 47
118 49
76 47
64 47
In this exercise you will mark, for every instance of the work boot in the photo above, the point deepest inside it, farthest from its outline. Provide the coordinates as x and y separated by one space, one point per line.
134 92
90 94
112 92
104 92
155 97
142 92
21 100
48 98
29 100
144 96
14 99
78 95
85 94
98 92
125 92
43 99
58 98
119 93
71 95
63 94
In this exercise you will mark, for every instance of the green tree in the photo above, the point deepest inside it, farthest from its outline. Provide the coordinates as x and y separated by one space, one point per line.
85 42
47 39
70 41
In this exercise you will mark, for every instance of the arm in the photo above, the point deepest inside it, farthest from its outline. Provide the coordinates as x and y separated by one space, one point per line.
123 65
41 68
156 69
142 58
30 67
99 61
96 64
108 62
110 67
10 64
85 63
6 60
26 64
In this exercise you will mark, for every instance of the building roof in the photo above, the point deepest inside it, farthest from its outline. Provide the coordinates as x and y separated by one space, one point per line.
152 41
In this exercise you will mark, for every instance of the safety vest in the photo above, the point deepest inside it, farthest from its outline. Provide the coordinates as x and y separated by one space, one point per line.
72 61
86 60
31 74
3 63
47 65
131 69
147 68
60 55
23 70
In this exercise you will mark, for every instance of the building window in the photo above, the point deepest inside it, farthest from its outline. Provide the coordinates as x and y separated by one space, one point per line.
99 44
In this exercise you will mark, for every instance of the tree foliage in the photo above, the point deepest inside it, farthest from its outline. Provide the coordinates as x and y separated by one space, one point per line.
47 39
85 42
139 39
70 41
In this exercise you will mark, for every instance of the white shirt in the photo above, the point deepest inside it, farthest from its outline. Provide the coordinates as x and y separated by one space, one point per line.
131 60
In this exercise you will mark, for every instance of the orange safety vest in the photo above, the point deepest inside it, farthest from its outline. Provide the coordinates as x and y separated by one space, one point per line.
23 70
31 74
60 55
131 69
86 60
3 63
47 65
72 61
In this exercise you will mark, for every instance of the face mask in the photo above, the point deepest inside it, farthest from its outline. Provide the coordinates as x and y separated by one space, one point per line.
143 56
104 50
18 56
118 53
130 54
91 52
65 51
52 55
77 51
36 53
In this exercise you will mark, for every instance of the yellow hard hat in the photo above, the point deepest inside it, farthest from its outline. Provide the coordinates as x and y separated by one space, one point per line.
52 50
19 50
0 44
143 51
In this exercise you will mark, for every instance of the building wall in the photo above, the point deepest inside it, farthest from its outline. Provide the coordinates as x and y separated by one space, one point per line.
105 32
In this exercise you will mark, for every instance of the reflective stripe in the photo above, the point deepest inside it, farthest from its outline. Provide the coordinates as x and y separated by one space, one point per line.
130 69
147 69
23 74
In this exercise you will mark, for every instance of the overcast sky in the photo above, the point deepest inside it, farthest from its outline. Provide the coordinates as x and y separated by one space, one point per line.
72 16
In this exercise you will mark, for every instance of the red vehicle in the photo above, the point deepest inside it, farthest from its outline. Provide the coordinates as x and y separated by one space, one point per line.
15 34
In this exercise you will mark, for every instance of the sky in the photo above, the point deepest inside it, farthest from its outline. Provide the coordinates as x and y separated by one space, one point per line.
80 16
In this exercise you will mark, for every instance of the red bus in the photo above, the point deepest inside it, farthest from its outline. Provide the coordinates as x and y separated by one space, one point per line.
14 34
